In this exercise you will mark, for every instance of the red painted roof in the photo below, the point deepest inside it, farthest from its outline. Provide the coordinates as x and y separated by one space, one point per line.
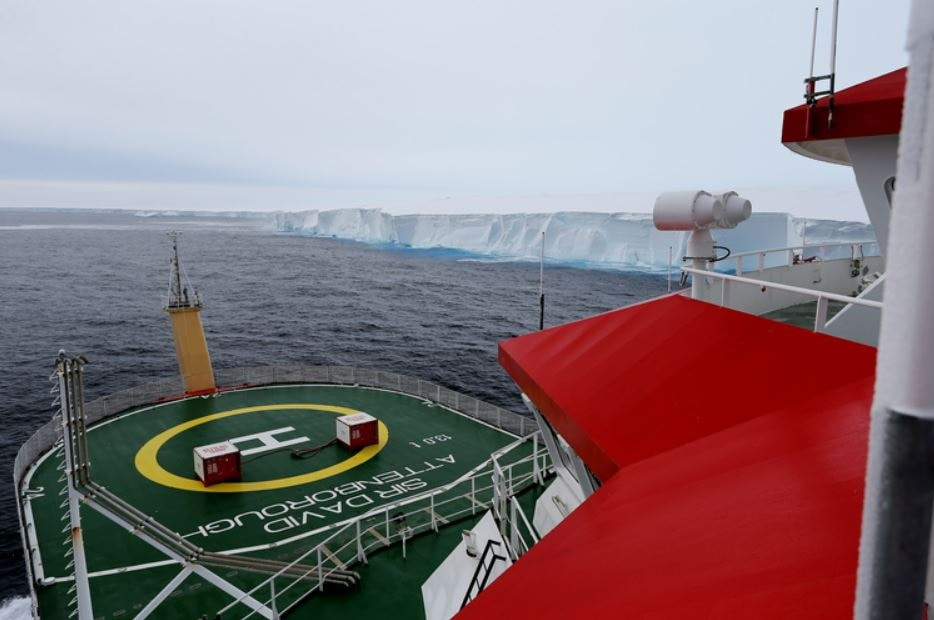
632 383
872 108
732 450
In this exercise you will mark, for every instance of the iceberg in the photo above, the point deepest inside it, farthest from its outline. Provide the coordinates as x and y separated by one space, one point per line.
608 240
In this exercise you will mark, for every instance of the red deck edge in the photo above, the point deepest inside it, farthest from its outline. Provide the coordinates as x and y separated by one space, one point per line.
871 108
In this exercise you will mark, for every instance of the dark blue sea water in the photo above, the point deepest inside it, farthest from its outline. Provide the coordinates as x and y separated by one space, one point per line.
95 283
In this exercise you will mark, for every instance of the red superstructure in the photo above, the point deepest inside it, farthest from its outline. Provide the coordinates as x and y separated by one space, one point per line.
732 461
871 108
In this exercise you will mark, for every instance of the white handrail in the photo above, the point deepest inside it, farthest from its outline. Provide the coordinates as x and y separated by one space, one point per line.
343 526
786 287
838 244
822 297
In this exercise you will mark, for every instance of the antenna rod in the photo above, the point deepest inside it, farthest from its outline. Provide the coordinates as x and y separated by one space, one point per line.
177 271
541 287
813 41
833 43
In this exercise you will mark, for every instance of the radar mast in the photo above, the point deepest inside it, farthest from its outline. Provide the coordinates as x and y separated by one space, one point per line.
191 348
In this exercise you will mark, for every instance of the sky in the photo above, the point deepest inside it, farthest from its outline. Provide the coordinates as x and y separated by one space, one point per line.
229 104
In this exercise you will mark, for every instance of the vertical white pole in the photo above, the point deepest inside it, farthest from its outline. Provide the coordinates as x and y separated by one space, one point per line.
361 556
272 599
820 315
320 571
833 38
895 535
813 42
669 268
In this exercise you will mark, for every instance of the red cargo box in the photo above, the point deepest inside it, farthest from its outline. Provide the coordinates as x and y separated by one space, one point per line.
357 430
217 462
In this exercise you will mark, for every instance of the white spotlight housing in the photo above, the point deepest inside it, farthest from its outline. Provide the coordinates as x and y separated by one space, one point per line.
694 210
736 209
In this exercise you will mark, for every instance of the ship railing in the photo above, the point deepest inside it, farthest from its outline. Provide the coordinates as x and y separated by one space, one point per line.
172 389
351 541
518 534
493 415
822 297
760 260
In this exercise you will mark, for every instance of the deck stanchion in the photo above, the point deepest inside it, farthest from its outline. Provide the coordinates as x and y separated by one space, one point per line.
669 268
820 316
514 531
361 554
320 571
535 471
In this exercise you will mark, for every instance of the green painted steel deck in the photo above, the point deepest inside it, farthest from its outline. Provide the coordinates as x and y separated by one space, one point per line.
802 315
282 507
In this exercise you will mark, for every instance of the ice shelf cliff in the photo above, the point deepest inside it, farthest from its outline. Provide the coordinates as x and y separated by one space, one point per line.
613 240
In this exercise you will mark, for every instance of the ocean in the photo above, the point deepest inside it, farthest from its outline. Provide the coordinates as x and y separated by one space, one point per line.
94 284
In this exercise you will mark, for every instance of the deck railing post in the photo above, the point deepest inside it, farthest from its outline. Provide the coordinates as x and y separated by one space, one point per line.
320 572
739 265
361 555
535 471
473 496
514 531
725 293
761 262
431 509
820 316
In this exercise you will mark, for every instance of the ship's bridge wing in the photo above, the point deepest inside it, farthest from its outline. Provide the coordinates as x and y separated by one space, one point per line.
732 454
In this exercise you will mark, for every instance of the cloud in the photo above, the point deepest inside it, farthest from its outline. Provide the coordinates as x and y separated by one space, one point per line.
493 95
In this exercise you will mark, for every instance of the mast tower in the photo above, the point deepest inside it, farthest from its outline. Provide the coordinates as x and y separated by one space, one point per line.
191 349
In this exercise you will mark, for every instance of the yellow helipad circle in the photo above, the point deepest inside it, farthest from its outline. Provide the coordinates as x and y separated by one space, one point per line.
148 465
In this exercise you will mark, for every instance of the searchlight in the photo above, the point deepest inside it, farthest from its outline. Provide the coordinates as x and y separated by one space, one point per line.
700 212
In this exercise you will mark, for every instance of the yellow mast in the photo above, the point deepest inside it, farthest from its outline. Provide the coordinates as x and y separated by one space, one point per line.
191 348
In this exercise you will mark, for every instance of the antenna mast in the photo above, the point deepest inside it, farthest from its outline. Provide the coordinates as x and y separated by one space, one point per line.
810 83
184 308
179 296
813 41
541 286
833 61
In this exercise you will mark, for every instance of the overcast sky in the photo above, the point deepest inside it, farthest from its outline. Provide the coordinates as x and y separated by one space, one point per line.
420 97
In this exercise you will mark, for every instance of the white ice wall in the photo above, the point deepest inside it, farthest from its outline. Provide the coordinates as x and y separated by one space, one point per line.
620 240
